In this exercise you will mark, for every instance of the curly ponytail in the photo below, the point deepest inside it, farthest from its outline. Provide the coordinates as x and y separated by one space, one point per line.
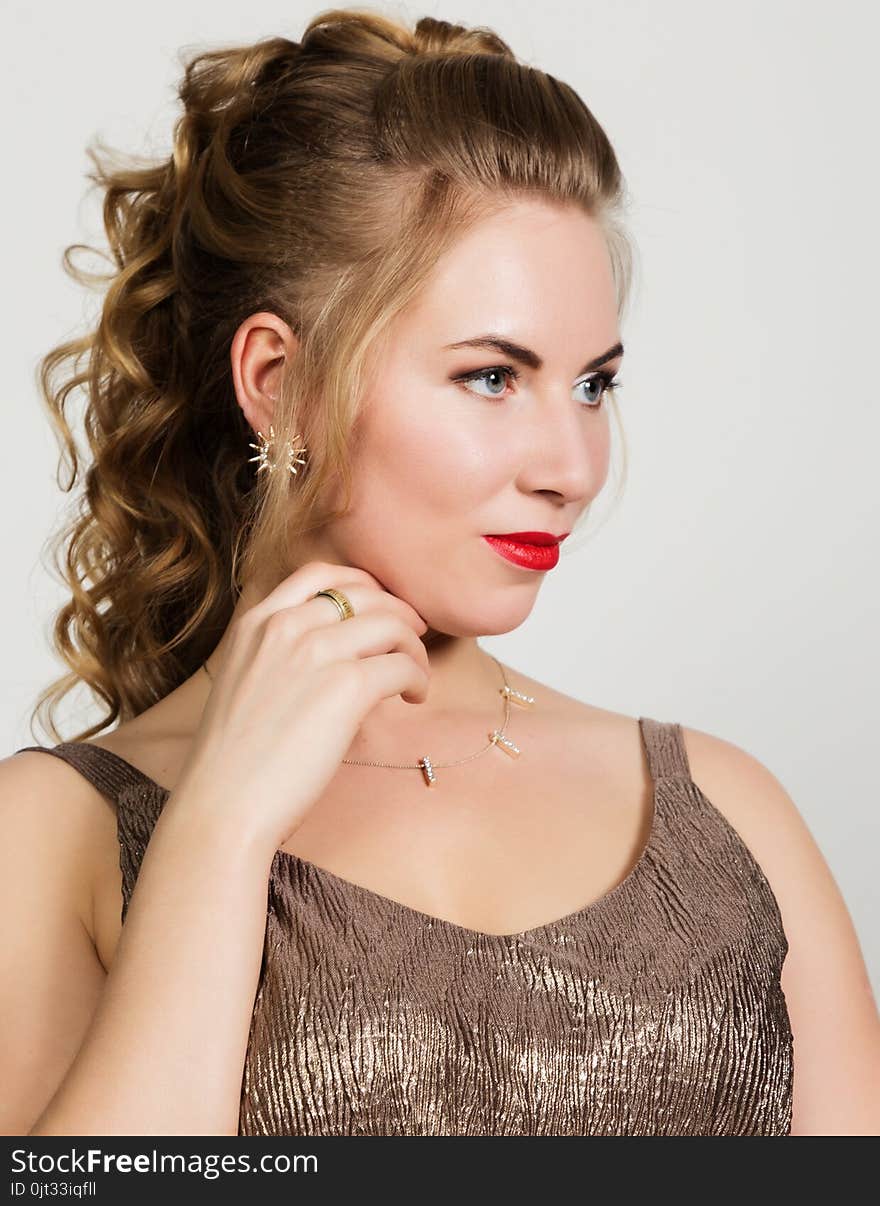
319 180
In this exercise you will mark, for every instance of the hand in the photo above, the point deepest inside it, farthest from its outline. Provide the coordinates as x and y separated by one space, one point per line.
295 685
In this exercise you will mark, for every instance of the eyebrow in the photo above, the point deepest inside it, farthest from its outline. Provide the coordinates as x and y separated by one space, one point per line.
526 355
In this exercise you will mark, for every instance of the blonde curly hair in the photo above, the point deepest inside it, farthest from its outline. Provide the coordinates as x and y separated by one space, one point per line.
319 180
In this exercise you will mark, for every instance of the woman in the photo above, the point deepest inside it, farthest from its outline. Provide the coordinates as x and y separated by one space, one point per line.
349 391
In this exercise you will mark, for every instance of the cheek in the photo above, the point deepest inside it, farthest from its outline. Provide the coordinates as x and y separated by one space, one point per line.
418 489
425 462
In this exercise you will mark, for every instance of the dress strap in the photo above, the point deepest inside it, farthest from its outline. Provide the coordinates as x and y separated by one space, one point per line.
105 770
665 749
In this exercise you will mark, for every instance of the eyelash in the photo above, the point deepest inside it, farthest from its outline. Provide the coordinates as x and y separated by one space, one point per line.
608 381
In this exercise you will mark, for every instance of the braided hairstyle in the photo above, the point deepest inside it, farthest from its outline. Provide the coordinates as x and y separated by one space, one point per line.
319 180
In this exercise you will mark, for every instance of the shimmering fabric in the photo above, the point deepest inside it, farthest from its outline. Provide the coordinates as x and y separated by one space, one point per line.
655 1010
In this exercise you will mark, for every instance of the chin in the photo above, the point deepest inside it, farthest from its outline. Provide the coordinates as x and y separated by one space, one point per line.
436 636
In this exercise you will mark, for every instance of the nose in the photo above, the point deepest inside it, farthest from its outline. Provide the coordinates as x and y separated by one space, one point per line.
565 452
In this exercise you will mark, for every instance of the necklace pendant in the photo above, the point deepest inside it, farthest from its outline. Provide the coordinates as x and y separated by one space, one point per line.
517 697
504 743
428 771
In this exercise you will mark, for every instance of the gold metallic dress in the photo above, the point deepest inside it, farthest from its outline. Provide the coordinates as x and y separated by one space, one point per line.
655 1010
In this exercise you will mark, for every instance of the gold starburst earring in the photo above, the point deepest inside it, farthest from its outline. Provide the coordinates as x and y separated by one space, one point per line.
266 462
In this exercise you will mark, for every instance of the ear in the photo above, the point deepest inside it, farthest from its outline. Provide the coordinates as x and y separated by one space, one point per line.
259 349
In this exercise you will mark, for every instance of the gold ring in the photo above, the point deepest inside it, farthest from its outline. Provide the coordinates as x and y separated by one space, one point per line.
346 611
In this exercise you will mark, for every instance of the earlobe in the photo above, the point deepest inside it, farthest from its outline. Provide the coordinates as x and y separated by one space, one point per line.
259 416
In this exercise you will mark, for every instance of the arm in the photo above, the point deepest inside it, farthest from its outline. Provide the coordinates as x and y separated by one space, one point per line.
832 1010
157 1045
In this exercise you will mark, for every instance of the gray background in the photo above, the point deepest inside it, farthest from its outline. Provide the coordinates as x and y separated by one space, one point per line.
734 588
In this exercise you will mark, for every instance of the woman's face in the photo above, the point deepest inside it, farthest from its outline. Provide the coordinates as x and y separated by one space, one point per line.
440 462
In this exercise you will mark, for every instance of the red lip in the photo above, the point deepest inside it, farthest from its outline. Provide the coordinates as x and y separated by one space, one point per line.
540 538
528 555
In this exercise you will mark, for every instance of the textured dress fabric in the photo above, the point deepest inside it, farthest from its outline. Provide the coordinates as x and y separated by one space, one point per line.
655 1010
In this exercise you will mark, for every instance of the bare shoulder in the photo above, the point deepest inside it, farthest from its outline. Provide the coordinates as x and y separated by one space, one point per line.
825 980
760 809
753 800
758 806
54 825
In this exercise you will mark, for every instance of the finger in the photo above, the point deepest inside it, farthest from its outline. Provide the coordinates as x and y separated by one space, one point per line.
390 674
367 635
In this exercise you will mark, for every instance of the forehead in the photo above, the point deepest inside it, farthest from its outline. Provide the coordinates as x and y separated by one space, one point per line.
533 270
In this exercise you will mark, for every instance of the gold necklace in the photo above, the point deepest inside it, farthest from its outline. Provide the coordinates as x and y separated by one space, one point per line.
496 737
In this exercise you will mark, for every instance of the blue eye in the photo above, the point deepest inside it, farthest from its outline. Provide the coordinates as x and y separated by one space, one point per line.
604 380
483 375
601 379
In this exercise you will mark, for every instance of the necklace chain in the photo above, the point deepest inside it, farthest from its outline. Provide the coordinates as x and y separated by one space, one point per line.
498 734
